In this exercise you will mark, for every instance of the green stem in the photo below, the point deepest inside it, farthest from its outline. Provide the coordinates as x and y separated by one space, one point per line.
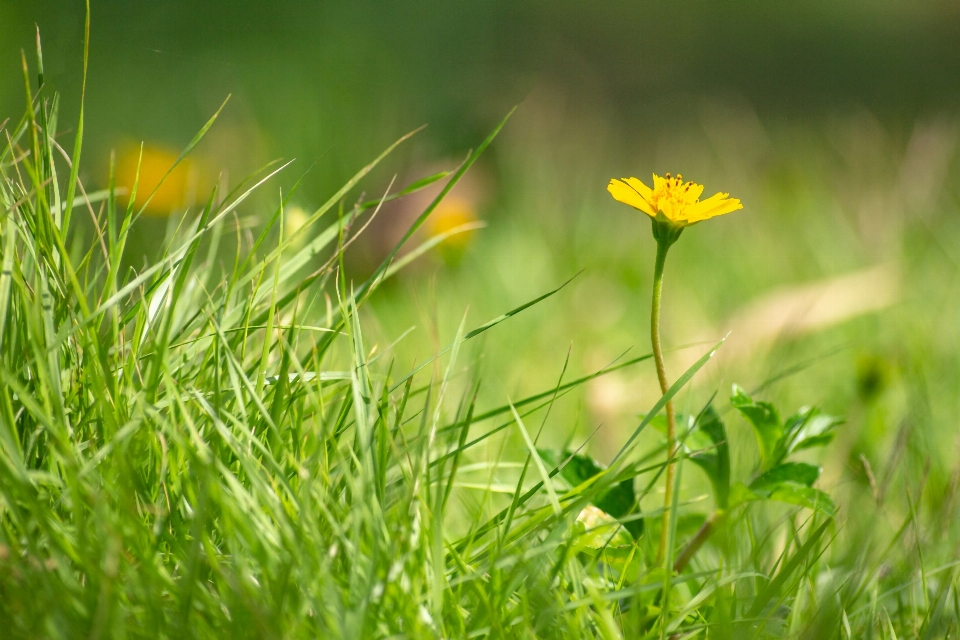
662 248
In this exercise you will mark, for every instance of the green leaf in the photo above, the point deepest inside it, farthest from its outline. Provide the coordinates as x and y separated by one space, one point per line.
658 422
619 500
788 492
815 431
578 468
815 441
766 423
791 483
715 459
803 496
739 494
684 422
798 472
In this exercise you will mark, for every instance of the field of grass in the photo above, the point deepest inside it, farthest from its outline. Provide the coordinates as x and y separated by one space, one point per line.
276 425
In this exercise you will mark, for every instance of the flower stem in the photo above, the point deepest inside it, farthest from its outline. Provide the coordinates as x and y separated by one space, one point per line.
709 527
662 247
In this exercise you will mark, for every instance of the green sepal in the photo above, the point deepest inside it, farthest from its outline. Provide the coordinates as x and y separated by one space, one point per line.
664 231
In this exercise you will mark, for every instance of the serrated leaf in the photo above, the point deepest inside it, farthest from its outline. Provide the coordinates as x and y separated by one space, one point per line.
815 441
817 431
795 422
803 496
800 473
806 429
739 494
788 492
766 423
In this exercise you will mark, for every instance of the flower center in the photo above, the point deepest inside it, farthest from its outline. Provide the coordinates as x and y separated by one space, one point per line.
676 191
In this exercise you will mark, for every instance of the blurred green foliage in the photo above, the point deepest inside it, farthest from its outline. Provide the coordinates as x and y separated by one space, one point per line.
334 82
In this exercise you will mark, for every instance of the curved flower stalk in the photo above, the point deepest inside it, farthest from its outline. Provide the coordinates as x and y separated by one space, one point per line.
672 205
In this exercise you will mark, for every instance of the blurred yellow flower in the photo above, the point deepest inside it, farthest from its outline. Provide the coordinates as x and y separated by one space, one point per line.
451 213
678 201
177 190
294 217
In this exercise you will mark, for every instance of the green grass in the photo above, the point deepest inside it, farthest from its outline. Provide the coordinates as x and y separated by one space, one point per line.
231 442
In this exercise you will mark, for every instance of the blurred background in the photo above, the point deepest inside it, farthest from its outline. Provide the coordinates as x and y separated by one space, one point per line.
836 124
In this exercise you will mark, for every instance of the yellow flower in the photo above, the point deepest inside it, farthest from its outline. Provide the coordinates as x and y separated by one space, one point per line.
177 190
678 201
452 212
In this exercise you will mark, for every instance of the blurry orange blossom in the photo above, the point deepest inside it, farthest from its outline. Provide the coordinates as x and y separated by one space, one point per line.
178 189
452 212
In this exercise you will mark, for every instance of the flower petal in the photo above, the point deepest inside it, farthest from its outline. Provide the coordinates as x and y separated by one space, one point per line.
716 205
645 192
658 182
627 194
